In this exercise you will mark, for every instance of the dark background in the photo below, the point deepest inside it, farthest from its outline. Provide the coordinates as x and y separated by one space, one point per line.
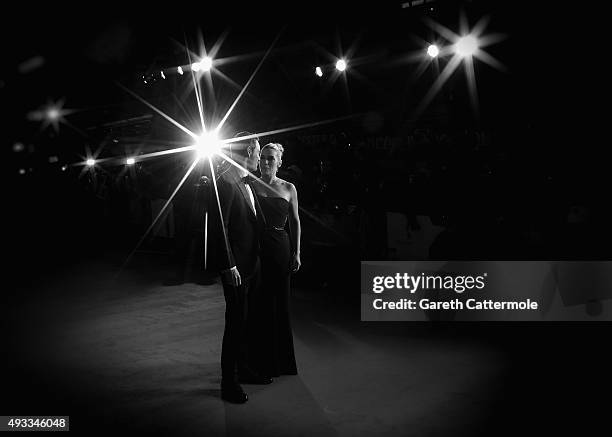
536 188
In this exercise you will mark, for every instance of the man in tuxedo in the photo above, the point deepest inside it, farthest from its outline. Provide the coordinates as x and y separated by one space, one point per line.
238 250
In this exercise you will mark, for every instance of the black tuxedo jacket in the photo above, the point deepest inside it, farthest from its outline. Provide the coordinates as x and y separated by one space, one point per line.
235 238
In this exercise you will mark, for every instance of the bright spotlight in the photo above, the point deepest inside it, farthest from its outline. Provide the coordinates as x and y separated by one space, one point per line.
207 144
341 65
130 161
206 63
180 70
53 114
466 46
162 74
319 72
22 171
433 50
90 162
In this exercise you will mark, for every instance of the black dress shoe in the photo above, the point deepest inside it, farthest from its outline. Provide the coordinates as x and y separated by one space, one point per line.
250 377
233 393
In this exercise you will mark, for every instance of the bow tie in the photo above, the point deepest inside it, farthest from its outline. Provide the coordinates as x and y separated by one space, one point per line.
247 179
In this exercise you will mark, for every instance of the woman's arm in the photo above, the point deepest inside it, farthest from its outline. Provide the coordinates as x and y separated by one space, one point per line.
295 228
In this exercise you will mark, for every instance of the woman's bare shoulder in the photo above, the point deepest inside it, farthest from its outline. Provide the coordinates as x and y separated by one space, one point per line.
286 184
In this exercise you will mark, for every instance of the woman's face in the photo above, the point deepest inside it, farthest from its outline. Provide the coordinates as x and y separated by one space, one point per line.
269 161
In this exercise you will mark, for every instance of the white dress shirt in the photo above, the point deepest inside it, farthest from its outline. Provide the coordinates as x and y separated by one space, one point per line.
248 188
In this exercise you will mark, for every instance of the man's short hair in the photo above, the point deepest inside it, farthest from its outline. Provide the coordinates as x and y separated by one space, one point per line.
241 147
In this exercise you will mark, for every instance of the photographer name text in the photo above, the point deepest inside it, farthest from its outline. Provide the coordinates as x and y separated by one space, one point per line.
454 304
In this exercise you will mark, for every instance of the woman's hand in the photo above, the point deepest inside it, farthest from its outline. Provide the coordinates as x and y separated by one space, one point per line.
295 262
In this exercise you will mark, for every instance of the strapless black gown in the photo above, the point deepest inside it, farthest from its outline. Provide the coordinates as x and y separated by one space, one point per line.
276 353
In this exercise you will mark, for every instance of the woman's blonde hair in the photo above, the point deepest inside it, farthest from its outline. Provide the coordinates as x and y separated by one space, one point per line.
276 146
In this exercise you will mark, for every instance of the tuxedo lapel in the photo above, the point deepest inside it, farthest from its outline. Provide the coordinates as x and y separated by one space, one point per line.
247 198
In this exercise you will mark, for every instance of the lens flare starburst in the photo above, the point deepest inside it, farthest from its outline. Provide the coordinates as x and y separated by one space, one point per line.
52 114
466 47
207 145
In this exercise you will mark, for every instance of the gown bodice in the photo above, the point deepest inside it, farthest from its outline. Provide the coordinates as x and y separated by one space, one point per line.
276 211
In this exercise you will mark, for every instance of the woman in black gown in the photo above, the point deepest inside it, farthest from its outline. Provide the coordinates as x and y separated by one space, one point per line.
280 256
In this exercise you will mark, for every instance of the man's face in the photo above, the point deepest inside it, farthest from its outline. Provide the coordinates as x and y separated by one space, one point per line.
253 159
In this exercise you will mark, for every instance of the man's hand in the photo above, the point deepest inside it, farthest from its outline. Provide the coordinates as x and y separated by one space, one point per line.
232 277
